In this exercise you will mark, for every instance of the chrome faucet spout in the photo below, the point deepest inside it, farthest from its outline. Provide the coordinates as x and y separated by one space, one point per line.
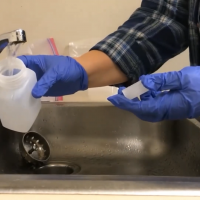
12 38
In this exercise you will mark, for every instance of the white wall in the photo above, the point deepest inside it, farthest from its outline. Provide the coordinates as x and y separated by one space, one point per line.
71 20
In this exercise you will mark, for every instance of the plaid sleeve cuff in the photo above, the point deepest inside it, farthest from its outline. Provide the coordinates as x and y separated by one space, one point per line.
119 51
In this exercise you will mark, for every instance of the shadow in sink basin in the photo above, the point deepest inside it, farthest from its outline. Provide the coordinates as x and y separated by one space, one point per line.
103 140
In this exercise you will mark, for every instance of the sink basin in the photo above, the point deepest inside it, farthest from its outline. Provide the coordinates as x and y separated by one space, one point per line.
99 149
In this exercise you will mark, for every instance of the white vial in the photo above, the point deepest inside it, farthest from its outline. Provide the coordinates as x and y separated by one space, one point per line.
134 90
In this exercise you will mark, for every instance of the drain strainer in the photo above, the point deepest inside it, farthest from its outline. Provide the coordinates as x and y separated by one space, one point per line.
34 148
57 168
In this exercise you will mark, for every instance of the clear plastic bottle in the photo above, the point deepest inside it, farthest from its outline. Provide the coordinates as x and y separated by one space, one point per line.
18 109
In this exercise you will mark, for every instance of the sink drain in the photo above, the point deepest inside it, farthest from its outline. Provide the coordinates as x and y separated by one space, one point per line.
57 169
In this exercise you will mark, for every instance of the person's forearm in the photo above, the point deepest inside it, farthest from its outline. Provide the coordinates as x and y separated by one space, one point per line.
101 70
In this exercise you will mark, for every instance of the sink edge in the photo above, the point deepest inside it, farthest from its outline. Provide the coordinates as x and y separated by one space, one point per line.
100 185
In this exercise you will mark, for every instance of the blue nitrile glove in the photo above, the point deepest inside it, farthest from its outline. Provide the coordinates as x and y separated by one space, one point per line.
180 102
56 75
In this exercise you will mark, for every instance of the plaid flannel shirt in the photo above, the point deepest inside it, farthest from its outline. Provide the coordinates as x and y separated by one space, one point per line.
155 33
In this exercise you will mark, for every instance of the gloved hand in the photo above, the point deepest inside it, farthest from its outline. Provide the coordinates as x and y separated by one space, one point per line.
56 75
180 102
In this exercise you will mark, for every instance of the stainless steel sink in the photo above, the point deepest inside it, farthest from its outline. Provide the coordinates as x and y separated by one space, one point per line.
99 149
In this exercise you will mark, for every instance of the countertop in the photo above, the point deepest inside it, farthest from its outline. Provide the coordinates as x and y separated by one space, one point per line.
89 197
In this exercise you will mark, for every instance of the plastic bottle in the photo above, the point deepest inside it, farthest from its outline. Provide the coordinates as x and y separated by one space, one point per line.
18 109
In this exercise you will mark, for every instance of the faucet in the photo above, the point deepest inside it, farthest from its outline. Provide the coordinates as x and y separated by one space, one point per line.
12 38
